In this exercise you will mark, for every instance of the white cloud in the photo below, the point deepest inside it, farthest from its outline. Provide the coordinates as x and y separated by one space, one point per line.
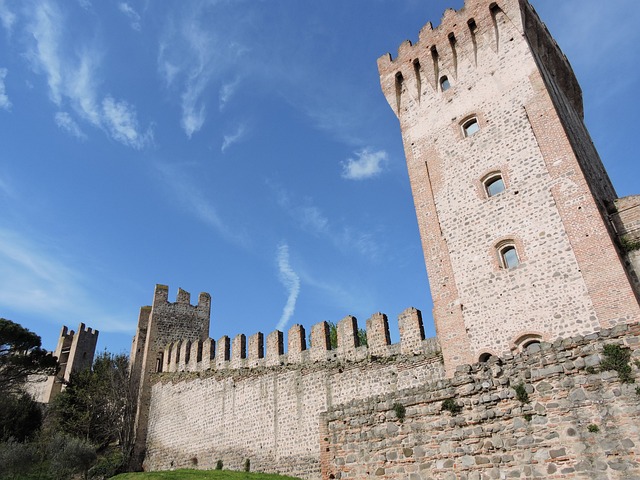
37 280
291 281
45 28
120 119
227 91
7 17
5 103
232 138
367 164
196 51
71 77
69 125
191 59
125 8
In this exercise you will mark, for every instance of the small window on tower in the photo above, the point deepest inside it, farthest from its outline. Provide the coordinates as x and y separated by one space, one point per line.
470 127
444 83
508 256
494 184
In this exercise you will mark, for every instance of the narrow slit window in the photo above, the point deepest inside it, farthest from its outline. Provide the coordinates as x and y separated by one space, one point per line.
470 127
494 185
509 257
444 83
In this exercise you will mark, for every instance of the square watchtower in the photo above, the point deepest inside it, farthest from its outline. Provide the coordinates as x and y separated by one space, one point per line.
511 197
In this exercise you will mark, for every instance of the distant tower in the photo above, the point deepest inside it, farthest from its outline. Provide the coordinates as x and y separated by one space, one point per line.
159 325
75 352
512 199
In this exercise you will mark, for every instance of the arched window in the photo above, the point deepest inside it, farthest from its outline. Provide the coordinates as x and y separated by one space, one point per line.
508 255
493 184
484 357
525 341
470 127
444 83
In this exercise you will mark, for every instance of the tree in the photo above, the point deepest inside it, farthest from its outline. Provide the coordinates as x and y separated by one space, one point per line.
333 336
21 355
98 404
20 417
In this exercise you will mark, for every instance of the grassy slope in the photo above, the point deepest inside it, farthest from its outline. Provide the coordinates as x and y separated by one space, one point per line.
200 475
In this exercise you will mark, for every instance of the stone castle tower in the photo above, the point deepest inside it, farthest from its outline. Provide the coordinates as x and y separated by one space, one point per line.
74 352
178 325
513 202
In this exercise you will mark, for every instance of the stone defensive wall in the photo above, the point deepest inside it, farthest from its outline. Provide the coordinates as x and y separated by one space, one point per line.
222 401
554 411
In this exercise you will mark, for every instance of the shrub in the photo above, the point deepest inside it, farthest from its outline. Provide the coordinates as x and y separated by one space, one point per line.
450 405
69 455
521 392
629 244
400 411
593 428
528 417
617 358
16 459
109 464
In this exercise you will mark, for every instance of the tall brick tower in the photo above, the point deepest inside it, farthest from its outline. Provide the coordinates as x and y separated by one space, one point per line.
513 202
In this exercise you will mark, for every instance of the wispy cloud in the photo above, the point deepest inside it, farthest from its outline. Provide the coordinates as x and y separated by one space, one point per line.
120 118
227 91
312 219
5 103
71 77
186 55
234 137
367 164
69 125
36 280
291 281
196 203
196 51
7 17
128 10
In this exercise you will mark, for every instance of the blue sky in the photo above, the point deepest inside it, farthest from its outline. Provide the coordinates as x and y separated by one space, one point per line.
238 147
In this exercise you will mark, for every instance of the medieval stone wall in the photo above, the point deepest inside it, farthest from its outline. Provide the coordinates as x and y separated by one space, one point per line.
231 408
577 422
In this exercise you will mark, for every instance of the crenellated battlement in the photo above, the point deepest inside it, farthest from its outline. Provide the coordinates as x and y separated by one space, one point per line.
249 352
476 36
161 298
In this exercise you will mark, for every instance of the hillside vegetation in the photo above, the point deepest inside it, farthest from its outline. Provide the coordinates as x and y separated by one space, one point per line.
200 475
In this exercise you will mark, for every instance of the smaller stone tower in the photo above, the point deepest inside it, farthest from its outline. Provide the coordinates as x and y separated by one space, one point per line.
75 352
159 325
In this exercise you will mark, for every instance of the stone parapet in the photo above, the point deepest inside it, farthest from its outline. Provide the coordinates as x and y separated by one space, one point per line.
179 356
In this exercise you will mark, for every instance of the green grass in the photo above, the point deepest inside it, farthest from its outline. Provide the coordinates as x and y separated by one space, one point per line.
200 475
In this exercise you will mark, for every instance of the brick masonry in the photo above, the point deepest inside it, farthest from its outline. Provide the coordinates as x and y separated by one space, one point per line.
505 70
